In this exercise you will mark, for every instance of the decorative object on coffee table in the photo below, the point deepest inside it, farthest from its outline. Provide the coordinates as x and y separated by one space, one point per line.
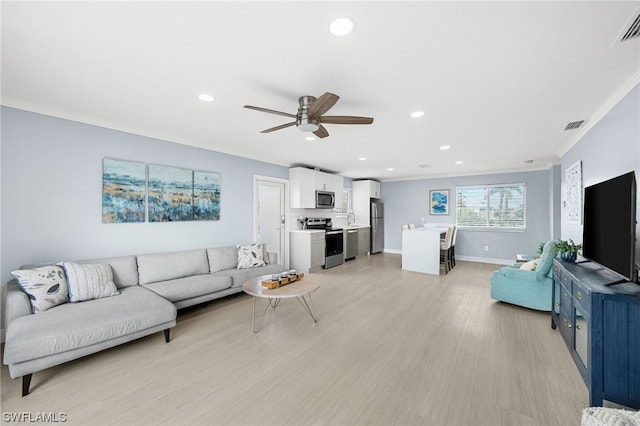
290 278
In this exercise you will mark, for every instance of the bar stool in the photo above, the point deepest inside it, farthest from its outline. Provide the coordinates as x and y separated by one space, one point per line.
445 250
453 247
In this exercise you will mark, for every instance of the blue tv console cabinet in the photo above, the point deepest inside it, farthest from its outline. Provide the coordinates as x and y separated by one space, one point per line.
601 326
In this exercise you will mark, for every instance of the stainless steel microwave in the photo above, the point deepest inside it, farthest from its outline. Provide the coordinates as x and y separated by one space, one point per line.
325 199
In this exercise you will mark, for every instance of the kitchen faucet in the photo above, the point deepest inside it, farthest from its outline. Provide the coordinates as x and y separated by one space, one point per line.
351 218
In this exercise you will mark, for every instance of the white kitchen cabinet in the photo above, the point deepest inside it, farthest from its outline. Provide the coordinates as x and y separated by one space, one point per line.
324 181
374 189
363 191
307 250
303 184
370 188
302 188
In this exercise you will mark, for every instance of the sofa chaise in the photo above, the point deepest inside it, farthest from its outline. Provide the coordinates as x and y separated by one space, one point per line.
148 290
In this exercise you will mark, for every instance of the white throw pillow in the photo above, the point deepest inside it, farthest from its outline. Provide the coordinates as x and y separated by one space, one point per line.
46 286
530 265
250 256
89 281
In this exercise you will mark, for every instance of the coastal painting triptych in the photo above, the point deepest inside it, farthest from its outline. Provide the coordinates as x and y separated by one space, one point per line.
174 194
123 191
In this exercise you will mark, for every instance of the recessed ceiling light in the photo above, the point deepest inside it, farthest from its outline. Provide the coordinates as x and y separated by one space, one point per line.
390 169
205 97
417 114
459 162
362 158
341 27
309 138
445 147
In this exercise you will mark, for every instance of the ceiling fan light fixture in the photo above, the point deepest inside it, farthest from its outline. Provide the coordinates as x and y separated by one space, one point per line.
309 138
341 27
308 127
307 124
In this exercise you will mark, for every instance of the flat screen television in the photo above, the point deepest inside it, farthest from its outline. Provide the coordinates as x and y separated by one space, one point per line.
609 231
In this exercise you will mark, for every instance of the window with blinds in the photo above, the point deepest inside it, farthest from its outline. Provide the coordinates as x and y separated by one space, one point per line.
491 206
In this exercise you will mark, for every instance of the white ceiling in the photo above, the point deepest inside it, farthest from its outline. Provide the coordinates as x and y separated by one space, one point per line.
498 81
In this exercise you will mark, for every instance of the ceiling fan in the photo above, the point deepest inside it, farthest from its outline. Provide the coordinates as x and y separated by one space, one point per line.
309 117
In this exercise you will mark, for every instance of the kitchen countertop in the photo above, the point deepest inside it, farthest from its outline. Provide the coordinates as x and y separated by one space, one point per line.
322 230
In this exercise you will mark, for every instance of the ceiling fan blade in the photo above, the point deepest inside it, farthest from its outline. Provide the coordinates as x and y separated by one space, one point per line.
271 111
282 126
322 104
345 119
321 132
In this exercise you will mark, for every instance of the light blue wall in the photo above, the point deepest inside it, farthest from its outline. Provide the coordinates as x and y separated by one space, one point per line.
408 202
555 201
52 189
609 149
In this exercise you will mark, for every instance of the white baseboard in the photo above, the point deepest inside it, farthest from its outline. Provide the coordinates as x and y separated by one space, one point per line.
468 258
486 260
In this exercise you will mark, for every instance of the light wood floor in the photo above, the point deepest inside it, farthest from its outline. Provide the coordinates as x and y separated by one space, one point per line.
390 347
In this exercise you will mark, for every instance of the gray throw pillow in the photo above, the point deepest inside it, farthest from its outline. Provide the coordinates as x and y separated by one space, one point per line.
89 281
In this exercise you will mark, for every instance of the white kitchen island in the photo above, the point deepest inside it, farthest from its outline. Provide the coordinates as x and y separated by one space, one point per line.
421 249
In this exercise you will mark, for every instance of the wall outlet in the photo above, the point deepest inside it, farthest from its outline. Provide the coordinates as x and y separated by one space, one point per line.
422 219
486 247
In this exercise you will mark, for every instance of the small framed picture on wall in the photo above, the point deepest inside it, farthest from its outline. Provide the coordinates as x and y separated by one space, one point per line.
439 201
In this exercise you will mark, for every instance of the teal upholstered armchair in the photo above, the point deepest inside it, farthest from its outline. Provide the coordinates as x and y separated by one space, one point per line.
531 289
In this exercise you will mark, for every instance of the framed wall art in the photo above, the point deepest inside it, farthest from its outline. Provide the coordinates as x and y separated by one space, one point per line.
439 201
123 191
170 194
206 195
574 193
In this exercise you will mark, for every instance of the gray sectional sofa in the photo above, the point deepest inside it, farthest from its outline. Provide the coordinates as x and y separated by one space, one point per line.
152 287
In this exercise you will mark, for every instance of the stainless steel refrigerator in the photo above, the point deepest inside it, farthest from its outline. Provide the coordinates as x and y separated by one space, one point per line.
377 226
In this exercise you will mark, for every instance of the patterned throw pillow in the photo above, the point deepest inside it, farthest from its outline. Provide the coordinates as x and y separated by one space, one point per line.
89 281
250 256
46 286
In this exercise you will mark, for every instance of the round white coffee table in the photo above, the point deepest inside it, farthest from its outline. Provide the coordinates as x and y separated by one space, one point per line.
301 290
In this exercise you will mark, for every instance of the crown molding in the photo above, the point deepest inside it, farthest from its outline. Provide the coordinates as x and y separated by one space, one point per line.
613 100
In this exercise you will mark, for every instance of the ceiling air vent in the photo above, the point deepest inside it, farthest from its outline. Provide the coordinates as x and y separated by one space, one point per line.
633 31
574 125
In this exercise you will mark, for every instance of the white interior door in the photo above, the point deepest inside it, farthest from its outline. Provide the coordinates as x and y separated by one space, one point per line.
270 215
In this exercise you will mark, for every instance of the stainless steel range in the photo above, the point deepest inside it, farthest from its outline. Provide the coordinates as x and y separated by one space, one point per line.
333 240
